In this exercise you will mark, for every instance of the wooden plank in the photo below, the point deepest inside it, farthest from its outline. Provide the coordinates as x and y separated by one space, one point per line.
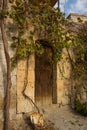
43 81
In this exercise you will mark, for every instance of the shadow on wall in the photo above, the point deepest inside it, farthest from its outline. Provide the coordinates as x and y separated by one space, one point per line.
78 87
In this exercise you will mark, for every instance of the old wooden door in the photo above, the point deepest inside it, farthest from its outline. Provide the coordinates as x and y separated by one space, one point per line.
43 78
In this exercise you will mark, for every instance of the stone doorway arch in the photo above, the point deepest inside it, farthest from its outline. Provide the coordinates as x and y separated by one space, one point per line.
45 78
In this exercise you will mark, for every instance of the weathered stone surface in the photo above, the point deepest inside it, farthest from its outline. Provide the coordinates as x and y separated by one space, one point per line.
1 125
12 114
2 55
20 75
14 72
74 17
83 96
65 100
21 65
2 91
31 76
30 91
78 97
66 91
1 103
31 62
1 115
13 80
13 99
23 104
60 91
18 102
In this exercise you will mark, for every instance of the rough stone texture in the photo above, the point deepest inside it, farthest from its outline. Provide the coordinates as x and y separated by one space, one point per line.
18 103
22 102
63 80
83 96
1 125
65 100
74 17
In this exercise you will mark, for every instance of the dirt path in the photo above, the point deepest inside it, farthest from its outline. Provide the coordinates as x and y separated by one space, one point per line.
64 118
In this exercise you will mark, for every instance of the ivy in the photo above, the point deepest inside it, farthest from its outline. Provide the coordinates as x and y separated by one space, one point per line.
80 64
81 108
49 25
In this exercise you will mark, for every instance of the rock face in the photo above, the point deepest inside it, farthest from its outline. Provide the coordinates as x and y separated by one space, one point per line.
60 80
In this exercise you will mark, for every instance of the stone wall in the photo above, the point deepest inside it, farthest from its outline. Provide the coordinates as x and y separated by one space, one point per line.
75 17
64 80
17 104
66 86
23 104
3 86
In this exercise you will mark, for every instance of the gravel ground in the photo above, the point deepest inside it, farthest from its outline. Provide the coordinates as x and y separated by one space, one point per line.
64 118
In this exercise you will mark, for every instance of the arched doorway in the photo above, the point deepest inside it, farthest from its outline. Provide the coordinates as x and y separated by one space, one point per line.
45 79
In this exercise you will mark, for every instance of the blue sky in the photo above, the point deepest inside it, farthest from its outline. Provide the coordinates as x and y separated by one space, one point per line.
73 6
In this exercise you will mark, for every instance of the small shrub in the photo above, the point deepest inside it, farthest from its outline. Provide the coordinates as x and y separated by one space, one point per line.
81 107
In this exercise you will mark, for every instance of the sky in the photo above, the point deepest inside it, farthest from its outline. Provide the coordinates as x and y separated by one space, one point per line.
73 6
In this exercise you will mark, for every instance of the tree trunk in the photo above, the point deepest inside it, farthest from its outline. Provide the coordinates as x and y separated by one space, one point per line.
7 89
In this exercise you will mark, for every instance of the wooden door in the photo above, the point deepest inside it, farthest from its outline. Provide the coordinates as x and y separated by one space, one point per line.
43 78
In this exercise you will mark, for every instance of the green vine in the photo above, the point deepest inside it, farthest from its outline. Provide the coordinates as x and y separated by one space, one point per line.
80 64
50 28
48 25
40 26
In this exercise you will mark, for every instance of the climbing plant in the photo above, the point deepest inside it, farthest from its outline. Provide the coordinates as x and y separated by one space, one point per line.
48 25
81 53
40 25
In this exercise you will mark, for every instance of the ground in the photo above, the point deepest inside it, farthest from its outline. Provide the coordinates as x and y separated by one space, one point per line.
65 118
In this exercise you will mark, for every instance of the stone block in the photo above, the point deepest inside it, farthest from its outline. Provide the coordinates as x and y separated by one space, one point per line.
65 100
12 114
31 65
1 102
14 72
2 54
31 76
60 90
21 65
66 91
83 96
1 115
1 125
19 116
20 87
81 89
14 81
29 91
20 75
31 62
2 91
3 81
11 51
13 100
78 96
60 84
23 105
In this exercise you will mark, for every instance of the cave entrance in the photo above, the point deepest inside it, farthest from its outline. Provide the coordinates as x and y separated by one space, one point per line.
45 79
